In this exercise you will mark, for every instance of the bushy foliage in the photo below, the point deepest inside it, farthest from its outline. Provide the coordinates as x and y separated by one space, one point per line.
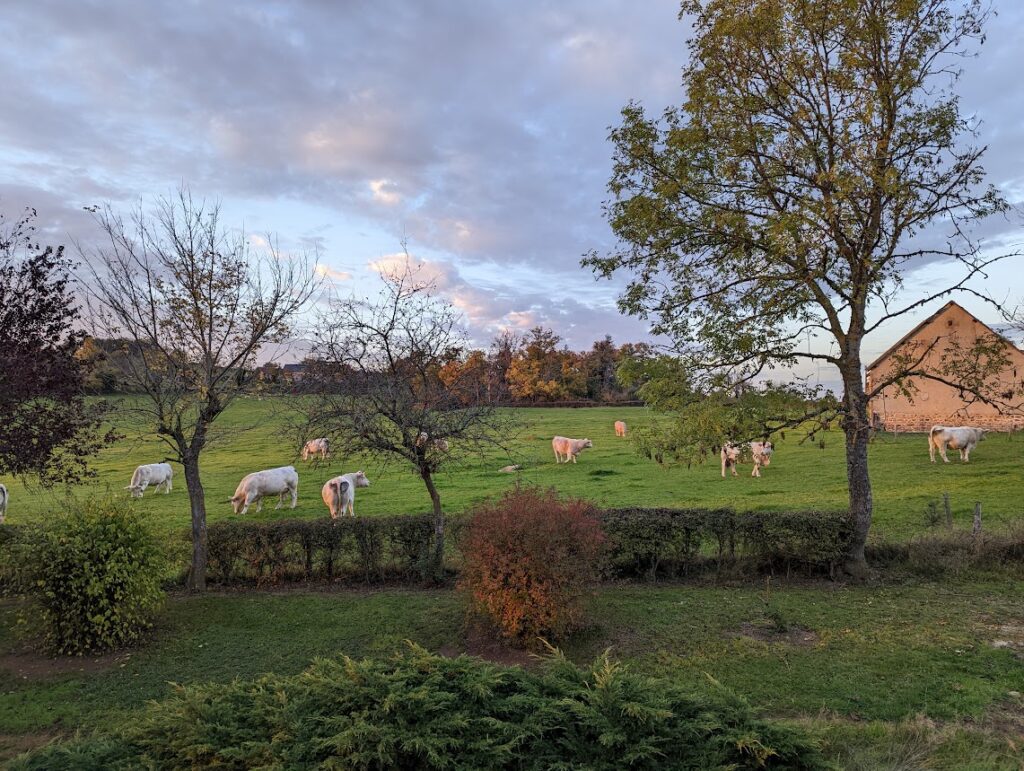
528 558
94 575
649 542
371 550
422 711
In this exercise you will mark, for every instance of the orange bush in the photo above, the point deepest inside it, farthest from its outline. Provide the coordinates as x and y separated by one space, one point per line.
529 557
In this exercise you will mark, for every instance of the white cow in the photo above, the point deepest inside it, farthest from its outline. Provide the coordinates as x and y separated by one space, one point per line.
962 438
319 447
340 493
155 474
620 428
566 448
255 486
730 455
3 503
762 455
440 444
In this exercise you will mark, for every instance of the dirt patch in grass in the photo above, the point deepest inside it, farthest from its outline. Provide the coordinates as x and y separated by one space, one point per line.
12 745
765 631
1010 636
477 640
29 665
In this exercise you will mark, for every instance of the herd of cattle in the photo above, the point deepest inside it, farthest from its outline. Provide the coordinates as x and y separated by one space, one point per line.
339 493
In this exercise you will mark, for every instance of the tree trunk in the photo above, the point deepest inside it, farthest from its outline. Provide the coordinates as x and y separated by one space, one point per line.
857 428
197 503
435 499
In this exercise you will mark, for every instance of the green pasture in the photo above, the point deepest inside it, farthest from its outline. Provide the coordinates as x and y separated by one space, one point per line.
255 434
882 673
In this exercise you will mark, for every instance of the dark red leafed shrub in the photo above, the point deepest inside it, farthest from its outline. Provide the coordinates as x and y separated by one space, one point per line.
528 559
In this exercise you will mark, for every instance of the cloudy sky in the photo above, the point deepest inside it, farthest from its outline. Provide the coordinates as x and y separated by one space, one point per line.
475 129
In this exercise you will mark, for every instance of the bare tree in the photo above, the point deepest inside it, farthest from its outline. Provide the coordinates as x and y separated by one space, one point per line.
379 391
197 304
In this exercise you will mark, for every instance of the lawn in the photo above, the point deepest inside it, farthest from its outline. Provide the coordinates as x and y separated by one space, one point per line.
880 672
254 434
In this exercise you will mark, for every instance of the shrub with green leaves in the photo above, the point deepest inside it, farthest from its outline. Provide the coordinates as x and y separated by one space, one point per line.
421 711
94 574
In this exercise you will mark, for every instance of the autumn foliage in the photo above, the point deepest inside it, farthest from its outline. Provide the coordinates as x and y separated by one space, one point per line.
529 558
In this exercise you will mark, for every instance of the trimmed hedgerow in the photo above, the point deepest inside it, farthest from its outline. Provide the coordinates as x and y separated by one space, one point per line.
643 542
93 575
370 550
418 710
528 558
651 542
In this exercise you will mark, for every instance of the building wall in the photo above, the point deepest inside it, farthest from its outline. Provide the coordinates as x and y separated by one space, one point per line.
936 403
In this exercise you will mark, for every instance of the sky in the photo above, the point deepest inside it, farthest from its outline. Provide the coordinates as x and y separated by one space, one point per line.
474 130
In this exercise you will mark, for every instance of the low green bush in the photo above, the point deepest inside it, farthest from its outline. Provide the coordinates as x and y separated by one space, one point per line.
365 549
93 576
420 711
651 542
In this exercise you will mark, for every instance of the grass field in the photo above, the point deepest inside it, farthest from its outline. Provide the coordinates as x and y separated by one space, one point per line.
888 676
254 435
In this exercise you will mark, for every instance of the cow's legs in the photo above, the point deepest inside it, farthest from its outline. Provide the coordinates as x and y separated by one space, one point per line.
259 503
295 496
965 454
942 452
558 458
931 448
573 458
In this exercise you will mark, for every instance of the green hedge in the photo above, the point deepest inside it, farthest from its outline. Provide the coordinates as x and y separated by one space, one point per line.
369 550
652 542
644 543
421 711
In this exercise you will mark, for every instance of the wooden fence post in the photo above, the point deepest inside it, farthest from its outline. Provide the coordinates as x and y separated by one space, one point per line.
977 518
948 509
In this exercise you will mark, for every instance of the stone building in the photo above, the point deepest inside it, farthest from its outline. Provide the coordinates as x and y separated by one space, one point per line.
937 403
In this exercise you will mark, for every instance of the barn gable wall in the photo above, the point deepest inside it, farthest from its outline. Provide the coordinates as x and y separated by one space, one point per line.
936 403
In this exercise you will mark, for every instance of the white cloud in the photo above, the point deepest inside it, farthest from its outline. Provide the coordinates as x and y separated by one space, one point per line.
327 272
384 191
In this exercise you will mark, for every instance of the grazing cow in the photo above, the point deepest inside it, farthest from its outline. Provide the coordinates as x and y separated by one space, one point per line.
762 454
155 474
255 486
620 428
440 444
3 503
315 447
340 493
962 438
730 457
566 448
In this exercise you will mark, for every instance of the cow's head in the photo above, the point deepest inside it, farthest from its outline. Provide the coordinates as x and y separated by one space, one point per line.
984 432
135 489
361 480
237 501
731 451
587 443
